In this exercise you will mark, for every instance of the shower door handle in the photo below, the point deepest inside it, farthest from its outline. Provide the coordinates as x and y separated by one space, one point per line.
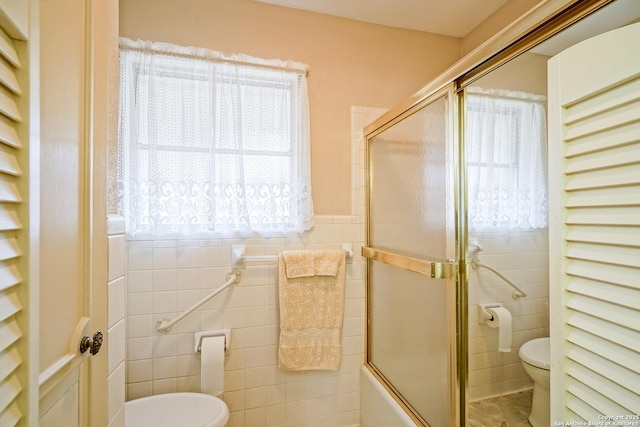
433 269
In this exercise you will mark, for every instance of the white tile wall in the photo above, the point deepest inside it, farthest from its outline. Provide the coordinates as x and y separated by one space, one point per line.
256 391
165 277
522 257
115 340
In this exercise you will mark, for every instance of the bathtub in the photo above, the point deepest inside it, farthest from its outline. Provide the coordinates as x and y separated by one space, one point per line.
377 407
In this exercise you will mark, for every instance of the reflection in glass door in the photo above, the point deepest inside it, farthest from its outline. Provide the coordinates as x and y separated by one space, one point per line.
411 275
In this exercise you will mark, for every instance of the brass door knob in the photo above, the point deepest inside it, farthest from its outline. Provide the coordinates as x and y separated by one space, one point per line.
93 345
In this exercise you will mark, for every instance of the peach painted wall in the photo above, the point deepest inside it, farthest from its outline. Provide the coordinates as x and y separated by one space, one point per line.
527 73
352 63
501 18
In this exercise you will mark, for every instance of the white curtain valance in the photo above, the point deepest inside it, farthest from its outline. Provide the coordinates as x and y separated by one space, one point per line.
506 158
211 147
202 53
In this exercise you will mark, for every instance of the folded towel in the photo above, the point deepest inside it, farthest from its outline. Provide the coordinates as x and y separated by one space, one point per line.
311 316
299 263
328 262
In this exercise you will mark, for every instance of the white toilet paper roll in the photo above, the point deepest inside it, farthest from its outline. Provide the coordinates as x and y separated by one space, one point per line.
212 368
502 321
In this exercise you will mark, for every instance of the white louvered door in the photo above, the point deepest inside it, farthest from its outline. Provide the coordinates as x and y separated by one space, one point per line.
594 234
11 282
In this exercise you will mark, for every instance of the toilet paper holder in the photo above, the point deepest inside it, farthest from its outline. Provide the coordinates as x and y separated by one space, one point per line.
226 333
483 315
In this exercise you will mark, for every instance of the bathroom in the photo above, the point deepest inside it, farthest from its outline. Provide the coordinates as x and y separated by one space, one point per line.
255 390
151 280
168 276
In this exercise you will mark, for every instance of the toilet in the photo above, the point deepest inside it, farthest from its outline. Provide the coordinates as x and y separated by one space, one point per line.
534 356
176 409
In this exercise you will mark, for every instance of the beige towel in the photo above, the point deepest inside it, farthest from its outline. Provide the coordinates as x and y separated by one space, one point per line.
311 313
299 263
327 263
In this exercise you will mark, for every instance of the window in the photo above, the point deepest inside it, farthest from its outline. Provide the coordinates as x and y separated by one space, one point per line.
211 147
506 159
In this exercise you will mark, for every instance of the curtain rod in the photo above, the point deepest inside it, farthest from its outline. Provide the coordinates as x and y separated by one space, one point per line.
211 56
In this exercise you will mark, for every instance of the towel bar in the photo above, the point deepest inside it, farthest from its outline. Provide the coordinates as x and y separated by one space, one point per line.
238 258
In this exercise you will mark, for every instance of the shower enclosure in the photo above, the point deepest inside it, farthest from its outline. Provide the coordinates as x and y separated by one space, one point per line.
417 238
411 251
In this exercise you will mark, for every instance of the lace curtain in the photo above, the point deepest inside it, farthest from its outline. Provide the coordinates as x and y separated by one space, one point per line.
211 146
507 160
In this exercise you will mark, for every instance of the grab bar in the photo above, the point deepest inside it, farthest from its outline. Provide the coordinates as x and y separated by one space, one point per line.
518 292
164 325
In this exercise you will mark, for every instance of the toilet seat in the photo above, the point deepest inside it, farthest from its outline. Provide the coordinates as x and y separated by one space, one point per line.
176 409
536 353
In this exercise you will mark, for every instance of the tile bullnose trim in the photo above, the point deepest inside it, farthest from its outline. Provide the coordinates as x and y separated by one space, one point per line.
115 224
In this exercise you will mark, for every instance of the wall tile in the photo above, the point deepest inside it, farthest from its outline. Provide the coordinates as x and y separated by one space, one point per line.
254 398
116 347
139 281
255 417
139 258
165 345
234 380
164 367
140 303
136 390
116 391
164 280
165 258
115 224
169 385
188 365
116 304
116 257
275 415
188 257
188 278
139 348
139 326
189 384
139 371
164 302
211 256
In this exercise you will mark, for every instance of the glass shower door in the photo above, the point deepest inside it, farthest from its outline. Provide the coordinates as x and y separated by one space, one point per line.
411 309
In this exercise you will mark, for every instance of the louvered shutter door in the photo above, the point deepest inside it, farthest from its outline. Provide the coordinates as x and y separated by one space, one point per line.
10 278
598 235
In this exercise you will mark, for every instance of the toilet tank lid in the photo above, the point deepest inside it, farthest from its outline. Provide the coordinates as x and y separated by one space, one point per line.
536 352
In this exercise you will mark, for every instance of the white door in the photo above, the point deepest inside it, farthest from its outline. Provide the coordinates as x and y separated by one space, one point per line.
594 234
72 236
